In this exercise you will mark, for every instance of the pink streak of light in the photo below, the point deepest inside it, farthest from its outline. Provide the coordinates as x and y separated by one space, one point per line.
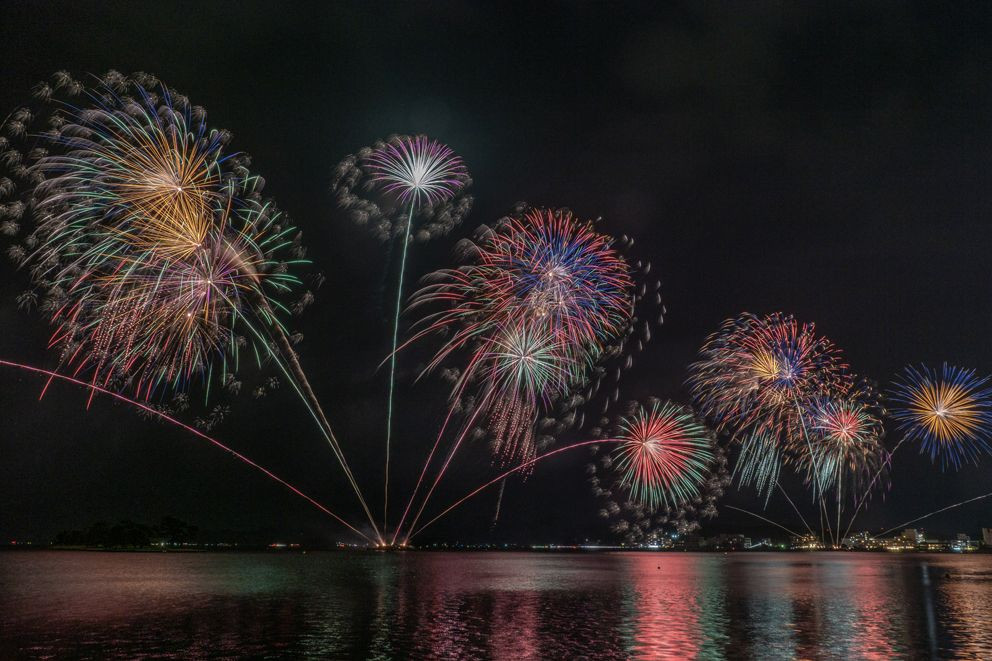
192 430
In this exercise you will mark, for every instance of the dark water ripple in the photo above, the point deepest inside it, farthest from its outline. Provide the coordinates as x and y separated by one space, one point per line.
495 606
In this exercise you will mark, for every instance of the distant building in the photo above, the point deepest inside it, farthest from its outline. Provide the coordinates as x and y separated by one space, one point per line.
808 543
987 537
912 536
863 541
727 542
688 543
964 544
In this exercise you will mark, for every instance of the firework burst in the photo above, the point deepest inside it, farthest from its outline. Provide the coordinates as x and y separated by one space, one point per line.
664 455
149 240
847 444
547 277
418 170
755 377
153 246
659 469
948 411
402 183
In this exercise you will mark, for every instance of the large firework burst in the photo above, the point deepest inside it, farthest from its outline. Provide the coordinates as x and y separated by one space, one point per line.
753 380
149 242
153 247
546 275
948 411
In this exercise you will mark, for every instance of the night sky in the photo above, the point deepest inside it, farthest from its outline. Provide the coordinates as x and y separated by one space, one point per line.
828 160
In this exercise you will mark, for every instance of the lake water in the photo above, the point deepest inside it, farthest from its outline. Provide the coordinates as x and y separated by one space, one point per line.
495 605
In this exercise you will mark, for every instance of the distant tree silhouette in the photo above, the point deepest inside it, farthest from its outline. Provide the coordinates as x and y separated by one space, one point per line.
173 531
129 534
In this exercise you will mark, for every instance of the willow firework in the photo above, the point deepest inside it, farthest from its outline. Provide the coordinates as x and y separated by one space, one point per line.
948 411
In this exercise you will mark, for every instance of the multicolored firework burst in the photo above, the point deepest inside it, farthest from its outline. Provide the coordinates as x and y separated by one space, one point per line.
847 444
948 411
158 320
664 455
659 470
754 378
153 247
545 274
149 240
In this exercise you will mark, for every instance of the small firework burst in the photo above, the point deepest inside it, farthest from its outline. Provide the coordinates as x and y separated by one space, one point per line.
404 186
659 470
948 411
525 367
664 455
847 447
418 170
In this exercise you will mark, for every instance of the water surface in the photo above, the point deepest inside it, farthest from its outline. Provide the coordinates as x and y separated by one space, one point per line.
495 605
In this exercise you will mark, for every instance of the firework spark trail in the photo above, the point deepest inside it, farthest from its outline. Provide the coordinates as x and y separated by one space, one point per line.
739 509
417 170
392 366
461 437
796 509
423 472
927 516
663 453
878 474
504 475
144 407
313 407
818 487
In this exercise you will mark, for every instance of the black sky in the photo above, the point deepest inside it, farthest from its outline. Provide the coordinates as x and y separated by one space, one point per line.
826 159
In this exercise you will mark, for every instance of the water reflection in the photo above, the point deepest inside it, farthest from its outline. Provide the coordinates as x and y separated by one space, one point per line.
498 606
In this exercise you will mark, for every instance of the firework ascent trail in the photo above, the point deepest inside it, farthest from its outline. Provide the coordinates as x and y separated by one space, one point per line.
148 409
